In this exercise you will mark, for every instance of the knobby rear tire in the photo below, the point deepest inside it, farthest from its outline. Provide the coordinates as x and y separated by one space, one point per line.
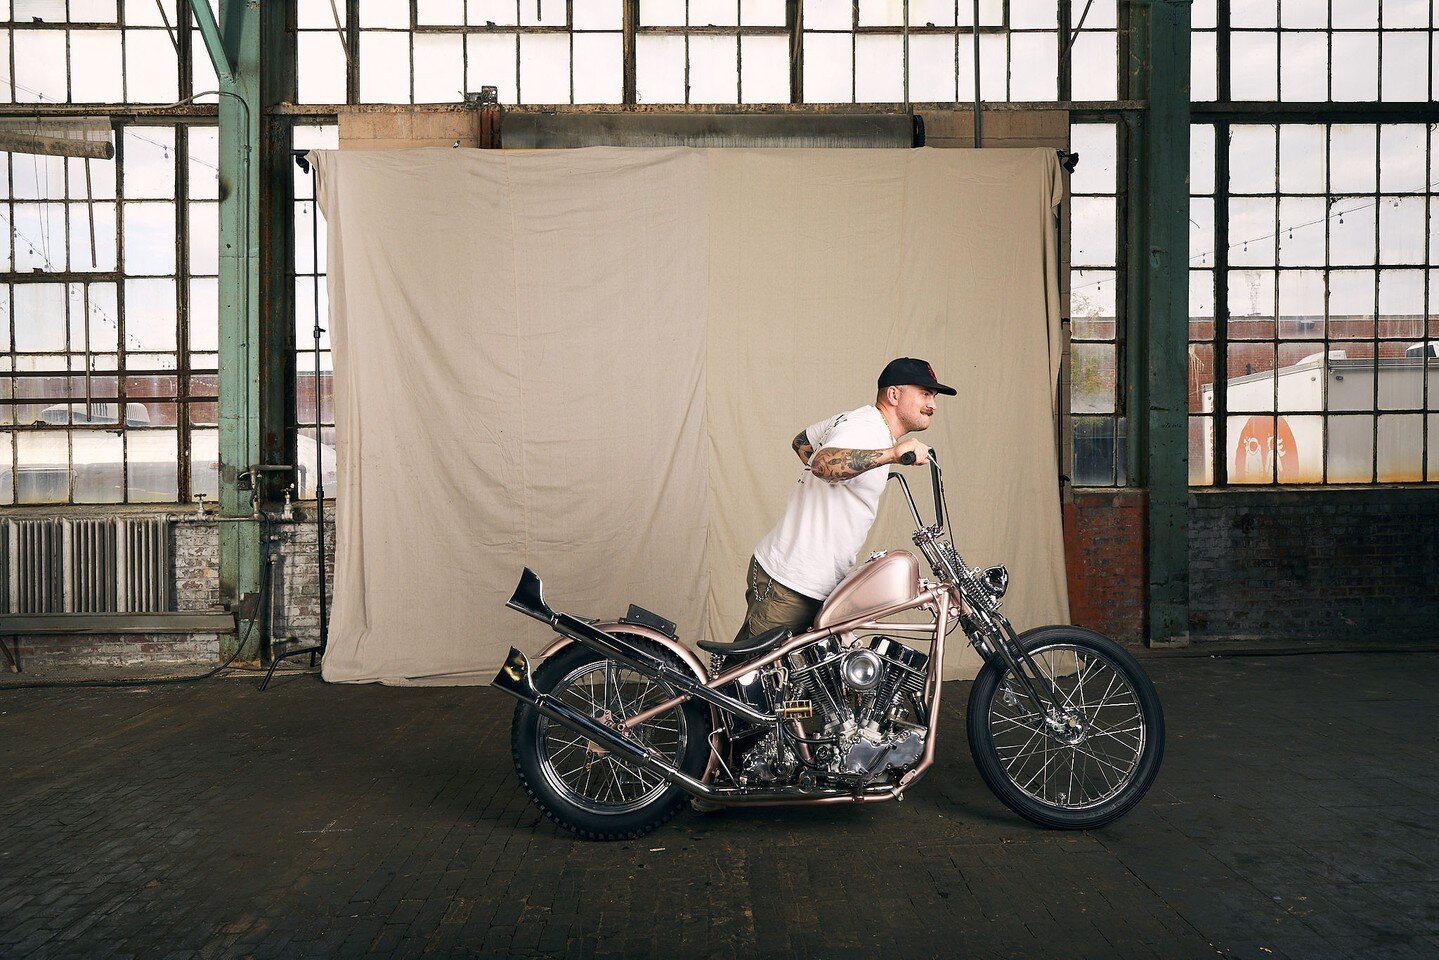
981 723
526 745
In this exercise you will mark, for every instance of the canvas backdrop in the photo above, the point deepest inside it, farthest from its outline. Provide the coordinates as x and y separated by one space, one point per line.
592 362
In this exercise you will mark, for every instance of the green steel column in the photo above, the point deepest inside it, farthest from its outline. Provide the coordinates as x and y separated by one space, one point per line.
1159 73
240 428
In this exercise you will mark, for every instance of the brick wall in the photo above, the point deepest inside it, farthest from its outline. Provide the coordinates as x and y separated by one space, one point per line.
1104 557
1349 565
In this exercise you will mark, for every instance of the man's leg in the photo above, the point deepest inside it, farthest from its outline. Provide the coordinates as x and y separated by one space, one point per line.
771 604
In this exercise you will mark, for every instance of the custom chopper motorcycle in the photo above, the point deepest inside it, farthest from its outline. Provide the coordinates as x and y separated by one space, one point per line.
621 722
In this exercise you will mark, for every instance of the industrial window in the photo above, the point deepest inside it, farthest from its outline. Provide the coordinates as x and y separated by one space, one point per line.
93 51
1096 282
706 51
1311 359
314 429
108 379
1315 51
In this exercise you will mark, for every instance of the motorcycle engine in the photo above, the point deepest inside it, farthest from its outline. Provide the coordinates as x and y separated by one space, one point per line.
859 696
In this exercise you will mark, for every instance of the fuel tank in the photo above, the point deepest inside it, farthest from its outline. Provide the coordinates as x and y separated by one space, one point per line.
887 579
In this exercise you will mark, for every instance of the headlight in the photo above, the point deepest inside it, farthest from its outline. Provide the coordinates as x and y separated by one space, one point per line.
863 670
996 580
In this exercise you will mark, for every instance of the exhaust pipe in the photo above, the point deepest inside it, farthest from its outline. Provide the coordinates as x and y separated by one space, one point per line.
529 599
514 679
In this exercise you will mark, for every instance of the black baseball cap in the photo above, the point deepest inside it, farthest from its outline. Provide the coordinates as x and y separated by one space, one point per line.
908 370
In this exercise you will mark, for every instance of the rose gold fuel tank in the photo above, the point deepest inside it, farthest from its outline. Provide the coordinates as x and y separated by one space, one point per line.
891 578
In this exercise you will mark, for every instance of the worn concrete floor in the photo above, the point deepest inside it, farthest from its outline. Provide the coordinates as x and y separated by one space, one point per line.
1294 817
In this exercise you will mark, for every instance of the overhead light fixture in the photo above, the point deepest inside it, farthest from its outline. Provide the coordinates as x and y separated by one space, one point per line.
90 137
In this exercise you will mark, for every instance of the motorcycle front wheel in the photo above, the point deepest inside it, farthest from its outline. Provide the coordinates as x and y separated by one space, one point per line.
1088 763
591 793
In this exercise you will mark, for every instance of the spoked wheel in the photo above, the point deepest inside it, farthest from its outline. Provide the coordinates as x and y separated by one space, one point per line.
1085 764
589 791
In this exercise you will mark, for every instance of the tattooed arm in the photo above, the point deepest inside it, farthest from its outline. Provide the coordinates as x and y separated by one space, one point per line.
836 464
802 447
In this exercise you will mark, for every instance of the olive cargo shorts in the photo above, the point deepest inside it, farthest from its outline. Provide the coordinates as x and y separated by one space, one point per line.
775 605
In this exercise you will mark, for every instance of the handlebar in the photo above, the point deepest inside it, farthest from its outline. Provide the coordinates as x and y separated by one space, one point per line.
907 458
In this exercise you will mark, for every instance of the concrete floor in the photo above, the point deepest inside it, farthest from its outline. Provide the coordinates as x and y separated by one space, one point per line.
1294 817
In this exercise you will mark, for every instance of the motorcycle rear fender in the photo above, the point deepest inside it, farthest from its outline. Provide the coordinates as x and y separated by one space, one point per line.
686 655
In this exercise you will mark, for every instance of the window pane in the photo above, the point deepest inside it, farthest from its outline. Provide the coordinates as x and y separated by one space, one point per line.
1400 450
149 238
42 469
150 314
1356 66
152 466
1094 451
1351 231
878 69
493 63
1094 74
99 458
544 68
1092 228
764 70
599 72
321 67
1252 66
1091 304
1032 75
1304 67
714 69
1092 377
40 310
1351 449
384 67
439 68
95 75
1301 158
151 69
828 68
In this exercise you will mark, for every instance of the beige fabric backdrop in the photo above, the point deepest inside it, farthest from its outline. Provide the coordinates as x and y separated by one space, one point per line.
592 362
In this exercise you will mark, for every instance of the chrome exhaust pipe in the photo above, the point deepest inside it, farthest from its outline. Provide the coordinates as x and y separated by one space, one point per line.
514 679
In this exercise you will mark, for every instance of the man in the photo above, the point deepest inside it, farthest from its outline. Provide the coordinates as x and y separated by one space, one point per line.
829 514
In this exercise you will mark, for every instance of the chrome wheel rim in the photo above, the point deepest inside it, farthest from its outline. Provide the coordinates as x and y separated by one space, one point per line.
598 782
1087 754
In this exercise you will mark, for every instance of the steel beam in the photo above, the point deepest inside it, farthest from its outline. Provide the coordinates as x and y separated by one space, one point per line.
234 46
1158 72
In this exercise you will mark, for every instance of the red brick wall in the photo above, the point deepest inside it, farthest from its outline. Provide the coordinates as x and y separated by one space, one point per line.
1104 556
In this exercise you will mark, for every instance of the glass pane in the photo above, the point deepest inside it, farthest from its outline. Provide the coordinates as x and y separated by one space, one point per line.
39 66
7 462
1352 303
1301 158
1201 377
1094 65
1301 231
1401 157
1251 455
1092 377
660 69
878 69
828 67
1201 445
1401 230
1251 231
1351 379
152 73
92 236
149 314
40 314
1351 449
932 68
205 463
204 315
1351 231
1304 67
1092 231
714 70
1356 66
1252 158
493 61
1204 66
1403 78
1251 376
99 466
1201 158
599 72
606 15
321 66
1401 449
1253 73
1299 449
480 12
1401 303
384 67
152 466
764 70
1094 450
1098 161
42 467
544 68
1251 303
1091 304
385 13
1038 81
1301 304
95 75
1201 304
1036 14
439 68
1201 232
713 13
149 162
1352 158
149 238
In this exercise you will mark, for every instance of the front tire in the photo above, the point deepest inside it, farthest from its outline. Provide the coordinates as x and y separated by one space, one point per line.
594 795
1104 757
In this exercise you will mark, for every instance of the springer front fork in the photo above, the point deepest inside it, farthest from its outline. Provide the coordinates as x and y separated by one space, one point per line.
998 639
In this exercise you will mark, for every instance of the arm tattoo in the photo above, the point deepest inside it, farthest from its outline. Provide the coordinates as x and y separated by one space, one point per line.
836 466
802 446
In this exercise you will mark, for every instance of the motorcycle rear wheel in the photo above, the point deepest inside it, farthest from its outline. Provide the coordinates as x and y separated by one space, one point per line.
594 795
1107 754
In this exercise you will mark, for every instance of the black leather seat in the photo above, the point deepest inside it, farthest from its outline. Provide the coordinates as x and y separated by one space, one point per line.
759 643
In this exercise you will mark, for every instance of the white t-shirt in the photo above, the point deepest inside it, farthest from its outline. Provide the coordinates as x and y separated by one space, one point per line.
815 543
